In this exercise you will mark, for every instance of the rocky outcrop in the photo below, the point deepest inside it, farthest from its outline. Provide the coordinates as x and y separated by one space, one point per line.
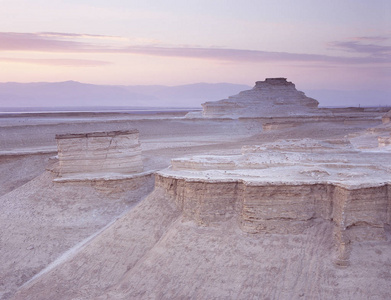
303 146
384 141
98 153
285 192
280 105
387 118
358 214
272 97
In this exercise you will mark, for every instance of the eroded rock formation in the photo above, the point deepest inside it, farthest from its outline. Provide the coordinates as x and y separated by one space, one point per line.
284 191
386 118
99 153
280 105
384 141
272 97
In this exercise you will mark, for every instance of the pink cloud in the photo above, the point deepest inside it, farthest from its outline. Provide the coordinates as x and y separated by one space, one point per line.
11 41
372 38
57 62
74 35
70 43
371 49
372 46
247 55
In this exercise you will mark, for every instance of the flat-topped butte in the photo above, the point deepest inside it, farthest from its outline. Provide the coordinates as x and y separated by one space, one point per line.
284 190
272 97
94 154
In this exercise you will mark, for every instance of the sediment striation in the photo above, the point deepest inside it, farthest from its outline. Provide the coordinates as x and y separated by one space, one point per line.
270 191
272 97
280 105
386 118
384 141
113 152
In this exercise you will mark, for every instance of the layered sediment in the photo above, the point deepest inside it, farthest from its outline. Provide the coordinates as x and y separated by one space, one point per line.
98 153
285 191
387 118
384 141
274 96
280 105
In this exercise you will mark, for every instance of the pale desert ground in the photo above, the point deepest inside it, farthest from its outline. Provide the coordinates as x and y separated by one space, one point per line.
122 239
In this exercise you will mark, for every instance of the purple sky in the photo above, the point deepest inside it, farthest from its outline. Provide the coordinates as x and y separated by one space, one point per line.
316 44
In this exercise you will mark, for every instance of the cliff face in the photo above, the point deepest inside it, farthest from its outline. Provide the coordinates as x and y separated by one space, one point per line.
272 97
285 192
115 152
358 214
386 118
384 141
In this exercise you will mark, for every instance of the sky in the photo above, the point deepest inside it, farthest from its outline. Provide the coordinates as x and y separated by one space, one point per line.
316 44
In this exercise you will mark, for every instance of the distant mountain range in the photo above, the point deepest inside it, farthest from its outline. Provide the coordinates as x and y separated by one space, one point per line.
351 98
72 94
76 94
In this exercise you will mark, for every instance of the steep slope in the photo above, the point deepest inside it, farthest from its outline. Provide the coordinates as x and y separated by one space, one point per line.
19 170
154 253
41 220
103 262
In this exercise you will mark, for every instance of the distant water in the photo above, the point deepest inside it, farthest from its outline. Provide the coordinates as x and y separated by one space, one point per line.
358 106
105 109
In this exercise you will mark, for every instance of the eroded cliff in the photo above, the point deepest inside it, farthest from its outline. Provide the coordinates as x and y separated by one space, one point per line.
272 97
286 191
99 153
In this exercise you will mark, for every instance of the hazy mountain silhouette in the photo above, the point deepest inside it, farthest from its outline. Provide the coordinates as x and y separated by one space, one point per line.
76 94
72 93
351 98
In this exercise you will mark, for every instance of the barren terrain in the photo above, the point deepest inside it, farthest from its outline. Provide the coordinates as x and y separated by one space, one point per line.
113 239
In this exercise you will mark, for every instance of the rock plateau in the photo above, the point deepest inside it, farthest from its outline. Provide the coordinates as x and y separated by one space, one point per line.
99 153
284 189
